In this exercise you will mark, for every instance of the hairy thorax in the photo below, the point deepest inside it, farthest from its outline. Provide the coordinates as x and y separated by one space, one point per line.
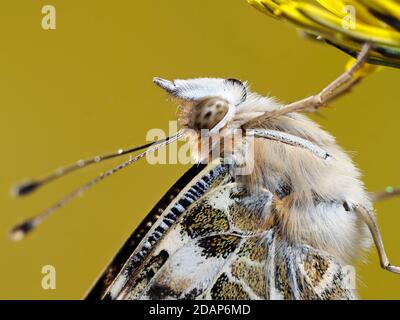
312 197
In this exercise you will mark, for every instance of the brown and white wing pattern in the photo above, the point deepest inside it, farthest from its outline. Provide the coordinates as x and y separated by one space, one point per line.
138 249
303 273
135 240
214 242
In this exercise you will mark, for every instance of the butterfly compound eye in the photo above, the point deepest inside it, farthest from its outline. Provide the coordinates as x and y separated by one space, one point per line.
208 112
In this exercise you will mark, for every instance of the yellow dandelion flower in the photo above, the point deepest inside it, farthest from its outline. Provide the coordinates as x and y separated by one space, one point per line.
345 24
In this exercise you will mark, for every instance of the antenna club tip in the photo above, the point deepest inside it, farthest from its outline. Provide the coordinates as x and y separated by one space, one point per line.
25 188
16 235
20 231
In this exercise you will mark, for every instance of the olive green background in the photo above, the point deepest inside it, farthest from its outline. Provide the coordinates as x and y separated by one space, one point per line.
86 88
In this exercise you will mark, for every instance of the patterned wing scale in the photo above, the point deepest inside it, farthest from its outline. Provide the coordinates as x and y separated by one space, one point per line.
213 242
122 258
150 248
303 273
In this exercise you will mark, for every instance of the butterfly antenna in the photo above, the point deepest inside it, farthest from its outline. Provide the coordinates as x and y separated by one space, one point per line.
22 229
28 187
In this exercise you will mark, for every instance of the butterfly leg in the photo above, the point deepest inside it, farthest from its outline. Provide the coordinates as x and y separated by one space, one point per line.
335 89
311 104
386 194
289 139
369 219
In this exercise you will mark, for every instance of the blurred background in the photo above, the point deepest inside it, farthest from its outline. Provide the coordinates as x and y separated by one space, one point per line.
86 88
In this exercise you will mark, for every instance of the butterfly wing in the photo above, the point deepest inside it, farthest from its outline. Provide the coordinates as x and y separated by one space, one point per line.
213 242
194 182
303 273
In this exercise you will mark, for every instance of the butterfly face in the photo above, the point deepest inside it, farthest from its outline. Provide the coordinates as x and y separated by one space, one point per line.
207 113
207 103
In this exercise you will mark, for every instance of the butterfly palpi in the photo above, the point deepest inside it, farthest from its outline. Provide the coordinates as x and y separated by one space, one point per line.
289 228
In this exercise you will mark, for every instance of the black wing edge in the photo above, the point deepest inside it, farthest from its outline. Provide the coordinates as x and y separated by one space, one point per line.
114 267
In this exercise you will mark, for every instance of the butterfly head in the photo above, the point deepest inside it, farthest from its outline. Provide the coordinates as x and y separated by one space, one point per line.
207 103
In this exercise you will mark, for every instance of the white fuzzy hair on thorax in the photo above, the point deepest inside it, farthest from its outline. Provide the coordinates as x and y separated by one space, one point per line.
320 193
